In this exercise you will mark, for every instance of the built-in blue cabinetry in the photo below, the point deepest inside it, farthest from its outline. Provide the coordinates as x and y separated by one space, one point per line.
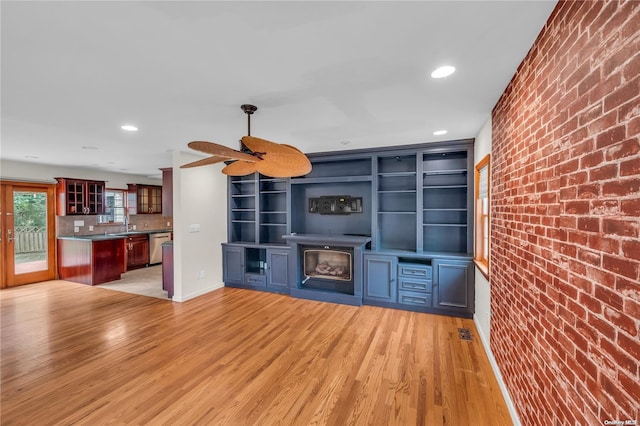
415 204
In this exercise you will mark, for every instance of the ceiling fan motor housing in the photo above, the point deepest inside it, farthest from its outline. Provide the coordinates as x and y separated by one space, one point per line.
249 109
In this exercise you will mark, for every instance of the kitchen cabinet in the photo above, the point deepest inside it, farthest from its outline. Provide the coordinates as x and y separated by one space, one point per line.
137 251
415 284
148 198
167 191
167 268
91 260
80 197
380 274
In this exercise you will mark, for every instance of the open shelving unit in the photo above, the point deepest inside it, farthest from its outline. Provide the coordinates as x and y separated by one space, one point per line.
445 215
242 209
396 198
273 210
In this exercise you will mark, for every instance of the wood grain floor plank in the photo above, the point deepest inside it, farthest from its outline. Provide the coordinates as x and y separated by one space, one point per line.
73 354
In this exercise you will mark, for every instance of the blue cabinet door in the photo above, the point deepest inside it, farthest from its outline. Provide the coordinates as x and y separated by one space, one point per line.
232 264
453 285
278 270
380 274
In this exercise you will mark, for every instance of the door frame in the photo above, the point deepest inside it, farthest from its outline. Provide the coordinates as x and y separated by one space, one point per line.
8 278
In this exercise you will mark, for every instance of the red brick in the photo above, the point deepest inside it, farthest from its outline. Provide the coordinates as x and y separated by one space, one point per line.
621 321
587 365
602 327
590 257
608 297
630 207
620 265
630 344
628 288
622 227
606 172
592 159
630 167
620 358
605 207
625 93
621 187
631 249
604 244
576 207
589 224
625 149
630 386
611 136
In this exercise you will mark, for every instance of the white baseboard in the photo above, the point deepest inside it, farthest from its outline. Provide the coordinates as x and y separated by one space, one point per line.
496 372
196 294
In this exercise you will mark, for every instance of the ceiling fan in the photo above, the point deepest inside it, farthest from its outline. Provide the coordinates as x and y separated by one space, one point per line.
269 158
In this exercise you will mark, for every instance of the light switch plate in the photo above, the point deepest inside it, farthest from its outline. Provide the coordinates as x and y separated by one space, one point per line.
90 227
194 227
78 223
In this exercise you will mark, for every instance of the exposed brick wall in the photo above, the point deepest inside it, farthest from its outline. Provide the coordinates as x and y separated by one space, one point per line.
565 196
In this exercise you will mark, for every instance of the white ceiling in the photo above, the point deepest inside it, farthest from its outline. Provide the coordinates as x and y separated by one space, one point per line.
319 72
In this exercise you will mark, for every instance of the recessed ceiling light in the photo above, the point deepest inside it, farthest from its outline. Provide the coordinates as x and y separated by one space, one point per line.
31 157
440 132
129 128
444 71
345 142
93 148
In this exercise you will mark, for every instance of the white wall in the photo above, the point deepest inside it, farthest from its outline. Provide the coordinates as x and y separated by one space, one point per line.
34 172
482 147
200 198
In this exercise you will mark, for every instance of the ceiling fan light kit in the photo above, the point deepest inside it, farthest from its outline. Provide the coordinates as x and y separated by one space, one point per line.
269 158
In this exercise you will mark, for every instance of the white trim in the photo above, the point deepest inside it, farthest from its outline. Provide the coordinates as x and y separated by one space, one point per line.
196 294
496 372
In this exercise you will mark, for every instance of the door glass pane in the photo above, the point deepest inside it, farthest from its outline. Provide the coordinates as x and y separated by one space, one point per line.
30 231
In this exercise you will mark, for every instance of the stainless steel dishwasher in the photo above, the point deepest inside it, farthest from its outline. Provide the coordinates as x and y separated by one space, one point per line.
155 246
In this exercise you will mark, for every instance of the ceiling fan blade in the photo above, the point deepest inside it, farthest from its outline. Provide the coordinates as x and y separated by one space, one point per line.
221 151
289 164
240 168
263 145
204 162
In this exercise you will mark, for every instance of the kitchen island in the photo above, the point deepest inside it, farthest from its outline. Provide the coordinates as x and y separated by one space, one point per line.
91 259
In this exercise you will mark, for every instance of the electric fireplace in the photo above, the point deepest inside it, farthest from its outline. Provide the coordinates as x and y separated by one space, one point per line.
327 268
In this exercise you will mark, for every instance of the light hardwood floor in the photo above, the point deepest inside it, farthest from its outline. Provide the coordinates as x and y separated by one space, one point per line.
73 354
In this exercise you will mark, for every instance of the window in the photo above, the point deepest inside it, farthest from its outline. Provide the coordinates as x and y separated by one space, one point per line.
481 255
114 207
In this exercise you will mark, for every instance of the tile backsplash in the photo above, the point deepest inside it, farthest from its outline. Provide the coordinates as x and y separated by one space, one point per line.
143 222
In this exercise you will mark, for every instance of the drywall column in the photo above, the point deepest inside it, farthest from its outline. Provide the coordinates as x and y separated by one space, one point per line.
200 227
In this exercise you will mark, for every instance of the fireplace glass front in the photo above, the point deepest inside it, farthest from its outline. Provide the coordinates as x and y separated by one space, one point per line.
328 268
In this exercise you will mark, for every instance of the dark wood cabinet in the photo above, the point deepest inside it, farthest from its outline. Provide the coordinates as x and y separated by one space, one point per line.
80 197
167 191
148 198
137 251
167 268
380 277
91 261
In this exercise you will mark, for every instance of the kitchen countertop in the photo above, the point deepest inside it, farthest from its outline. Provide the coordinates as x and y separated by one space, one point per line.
102 237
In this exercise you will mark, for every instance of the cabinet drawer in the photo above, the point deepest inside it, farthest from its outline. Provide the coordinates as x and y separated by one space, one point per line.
413 270
408 284
413 298
257 280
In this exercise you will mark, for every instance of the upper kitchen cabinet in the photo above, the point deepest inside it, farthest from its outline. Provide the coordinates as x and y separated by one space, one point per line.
80 197
148 199
167 191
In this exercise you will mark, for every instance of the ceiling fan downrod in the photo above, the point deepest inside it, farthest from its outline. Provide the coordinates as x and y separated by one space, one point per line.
249 109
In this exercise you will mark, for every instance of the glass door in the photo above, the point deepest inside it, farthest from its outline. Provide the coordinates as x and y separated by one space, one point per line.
27 237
